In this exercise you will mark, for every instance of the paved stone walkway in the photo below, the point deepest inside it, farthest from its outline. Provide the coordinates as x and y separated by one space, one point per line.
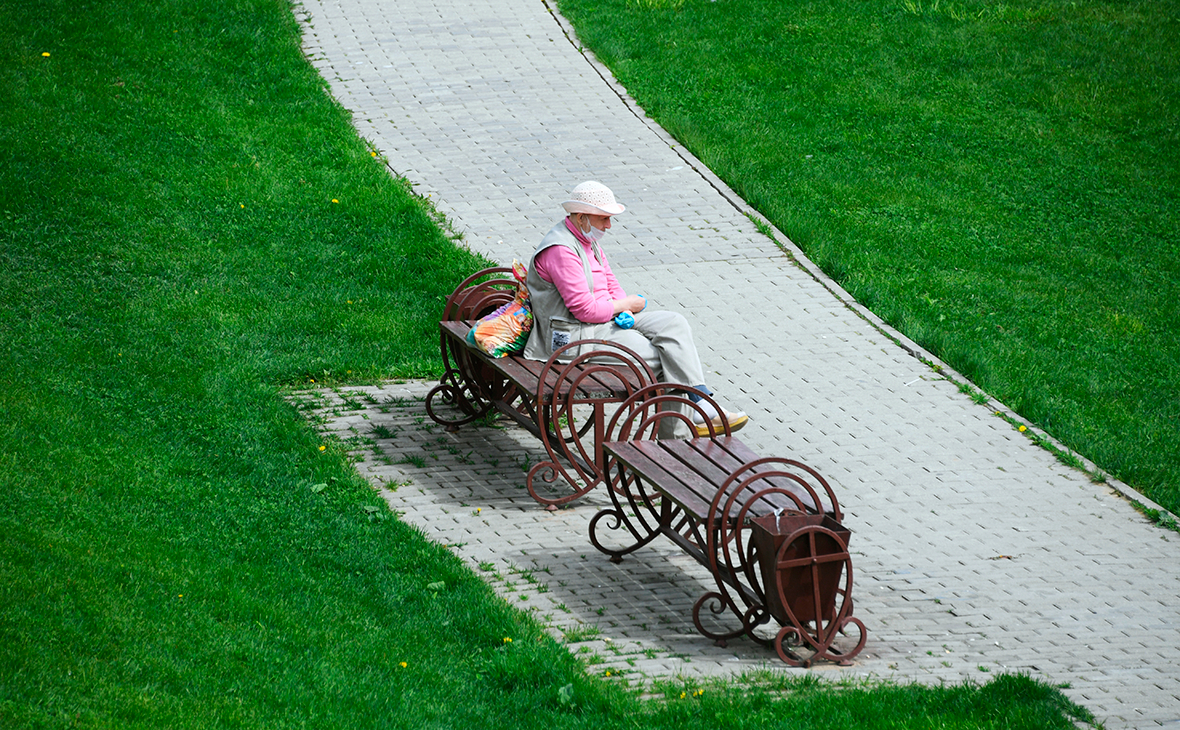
975 551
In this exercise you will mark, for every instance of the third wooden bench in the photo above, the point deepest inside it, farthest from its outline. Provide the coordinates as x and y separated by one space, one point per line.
767 529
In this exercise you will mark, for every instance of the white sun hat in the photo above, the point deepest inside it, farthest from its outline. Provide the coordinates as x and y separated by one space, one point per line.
593 198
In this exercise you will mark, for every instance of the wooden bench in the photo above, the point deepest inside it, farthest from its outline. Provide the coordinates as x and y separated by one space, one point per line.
767 529
562 404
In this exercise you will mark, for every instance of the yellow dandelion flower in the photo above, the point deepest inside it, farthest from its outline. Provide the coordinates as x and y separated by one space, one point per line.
1022 429
45 55
403 665
683 695
335 200
322 448
607 673
507 640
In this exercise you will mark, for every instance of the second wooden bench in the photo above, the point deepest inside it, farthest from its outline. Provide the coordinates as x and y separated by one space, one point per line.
767 529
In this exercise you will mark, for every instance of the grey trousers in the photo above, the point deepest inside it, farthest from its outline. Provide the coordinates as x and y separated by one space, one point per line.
664 341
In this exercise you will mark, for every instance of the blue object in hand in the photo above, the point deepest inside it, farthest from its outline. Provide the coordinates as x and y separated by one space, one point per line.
625 320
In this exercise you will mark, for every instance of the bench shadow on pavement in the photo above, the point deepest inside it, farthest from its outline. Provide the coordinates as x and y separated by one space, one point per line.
466 489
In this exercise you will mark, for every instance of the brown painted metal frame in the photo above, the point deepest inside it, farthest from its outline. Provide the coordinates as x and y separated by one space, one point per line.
541 397
466 383
601 373
693 493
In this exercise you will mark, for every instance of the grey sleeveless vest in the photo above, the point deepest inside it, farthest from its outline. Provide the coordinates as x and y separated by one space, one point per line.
553 324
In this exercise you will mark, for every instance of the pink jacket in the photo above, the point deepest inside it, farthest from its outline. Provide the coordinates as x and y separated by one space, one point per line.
561 267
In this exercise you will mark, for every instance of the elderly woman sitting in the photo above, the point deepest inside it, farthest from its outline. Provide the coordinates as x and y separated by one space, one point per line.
575 296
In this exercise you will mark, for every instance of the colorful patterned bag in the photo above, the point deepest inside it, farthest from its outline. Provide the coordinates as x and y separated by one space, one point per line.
505 330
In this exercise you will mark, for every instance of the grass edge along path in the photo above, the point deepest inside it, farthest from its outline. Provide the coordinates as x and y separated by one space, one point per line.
190 228
941 163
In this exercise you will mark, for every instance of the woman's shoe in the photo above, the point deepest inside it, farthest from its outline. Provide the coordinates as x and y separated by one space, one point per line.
736 422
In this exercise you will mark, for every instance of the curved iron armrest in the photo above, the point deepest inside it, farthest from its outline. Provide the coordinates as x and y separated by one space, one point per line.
467 384
640 509
473 298
642 415
599 373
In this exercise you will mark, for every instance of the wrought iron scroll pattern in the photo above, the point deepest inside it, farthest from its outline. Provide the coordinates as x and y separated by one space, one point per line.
460 385
562 387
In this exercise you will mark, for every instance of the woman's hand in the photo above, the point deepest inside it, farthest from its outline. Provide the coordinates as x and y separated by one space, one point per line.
633 304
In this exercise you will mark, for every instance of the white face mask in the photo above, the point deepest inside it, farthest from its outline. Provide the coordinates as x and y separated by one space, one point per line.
594 234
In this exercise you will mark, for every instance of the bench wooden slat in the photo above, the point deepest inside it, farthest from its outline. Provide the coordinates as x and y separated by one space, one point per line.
526 374
666 474
455 327
731 447
729 453
709 462
714 459
690 472
600 385
617 380
516 369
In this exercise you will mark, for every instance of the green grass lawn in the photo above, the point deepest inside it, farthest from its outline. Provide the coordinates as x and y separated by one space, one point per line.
190 227
999 181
